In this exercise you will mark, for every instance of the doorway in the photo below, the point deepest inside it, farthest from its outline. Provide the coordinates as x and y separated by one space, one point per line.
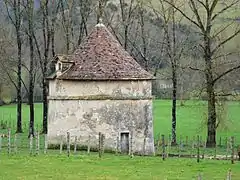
124 142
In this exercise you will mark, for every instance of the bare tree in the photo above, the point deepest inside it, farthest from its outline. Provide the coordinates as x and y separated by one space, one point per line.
43 56
16 19
173 49
54 11
127 16
7 49
213 10
30 33
85 11
67 22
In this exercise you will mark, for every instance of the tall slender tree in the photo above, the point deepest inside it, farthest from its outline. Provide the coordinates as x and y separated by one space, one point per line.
206 13
29 13
16 20
169 45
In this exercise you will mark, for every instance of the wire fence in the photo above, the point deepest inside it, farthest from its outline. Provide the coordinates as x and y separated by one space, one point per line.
19 144
193 147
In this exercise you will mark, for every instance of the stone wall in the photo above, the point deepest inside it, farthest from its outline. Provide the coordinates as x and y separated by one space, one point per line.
127 108
113 88
83 118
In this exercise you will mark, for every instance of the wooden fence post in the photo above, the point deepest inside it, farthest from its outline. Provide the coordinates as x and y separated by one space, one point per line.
199 176
61 144
75 145
238 153
169 145
9 140
0 143
158 143
31 144
37 143
68 144
215 152
227 149
131 144
89 147
200 142
99 145
220 141
232 146
45 143
204 147
198 149
15 143
102 143
229 175
180 146
193 146
163 148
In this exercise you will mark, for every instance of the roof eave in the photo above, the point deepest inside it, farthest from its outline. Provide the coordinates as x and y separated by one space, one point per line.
106 79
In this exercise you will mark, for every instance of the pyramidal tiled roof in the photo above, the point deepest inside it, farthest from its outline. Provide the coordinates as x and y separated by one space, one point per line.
101 57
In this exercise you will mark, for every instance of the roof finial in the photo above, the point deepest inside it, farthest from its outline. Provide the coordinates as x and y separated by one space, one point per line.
100 13
100 10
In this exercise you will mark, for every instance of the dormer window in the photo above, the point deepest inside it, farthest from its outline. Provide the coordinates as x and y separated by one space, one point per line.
59 66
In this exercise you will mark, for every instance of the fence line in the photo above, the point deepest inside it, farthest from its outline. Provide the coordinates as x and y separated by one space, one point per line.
187 147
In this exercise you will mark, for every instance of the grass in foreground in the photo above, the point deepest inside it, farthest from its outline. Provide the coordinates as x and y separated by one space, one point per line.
111 167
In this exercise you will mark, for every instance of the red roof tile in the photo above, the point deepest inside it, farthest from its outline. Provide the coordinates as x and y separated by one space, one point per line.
101 57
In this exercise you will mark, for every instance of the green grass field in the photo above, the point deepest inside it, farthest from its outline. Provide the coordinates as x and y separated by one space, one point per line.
190 118
111 167
82 166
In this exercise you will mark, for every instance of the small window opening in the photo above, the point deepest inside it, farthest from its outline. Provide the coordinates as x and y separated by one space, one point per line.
125 142
59 66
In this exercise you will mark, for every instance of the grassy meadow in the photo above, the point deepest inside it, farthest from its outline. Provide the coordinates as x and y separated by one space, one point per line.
191 118
111 168
54 166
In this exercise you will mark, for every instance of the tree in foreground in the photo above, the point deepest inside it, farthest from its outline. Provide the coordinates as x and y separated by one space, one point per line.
204 15
16 19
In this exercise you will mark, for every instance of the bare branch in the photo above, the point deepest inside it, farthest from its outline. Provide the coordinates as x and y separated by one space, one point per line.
184 14
195 11
204 5
225 41
222 30
224 9
224 55
196 69
213 6
225 73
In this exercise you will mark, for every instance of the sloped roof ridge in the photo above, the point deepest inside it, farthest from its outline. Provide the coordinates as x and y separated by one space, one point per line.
100 56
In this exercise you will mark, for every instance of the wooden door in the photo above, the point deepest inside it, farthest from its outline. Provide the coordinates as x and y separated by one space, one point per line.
125 143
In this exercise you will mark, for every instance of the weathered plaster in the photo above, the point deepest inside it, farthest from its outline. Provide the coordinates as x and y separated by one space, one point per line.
111 117
115 88
84 118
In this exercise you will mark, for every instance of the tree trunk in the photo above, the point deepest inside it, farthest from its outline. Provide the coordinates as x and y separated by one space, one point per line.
31 122
19 85
174 104
45 106
31 69
53 38
211 127
47 39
